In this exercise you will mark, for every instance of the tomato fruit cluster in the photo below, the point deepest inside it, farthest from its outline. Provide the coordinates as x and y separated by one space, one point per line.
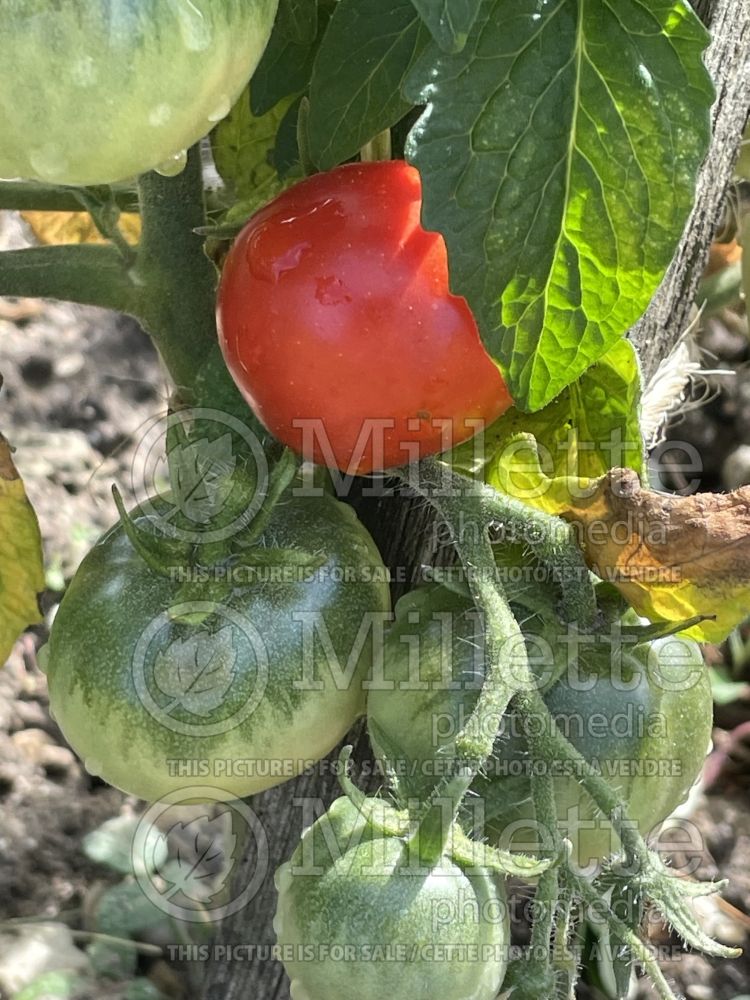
641 713
143 690
339 327
97 91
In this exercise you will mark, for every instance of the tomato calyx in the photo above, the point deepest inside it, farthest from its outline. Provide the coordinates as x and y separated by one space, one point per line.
208 570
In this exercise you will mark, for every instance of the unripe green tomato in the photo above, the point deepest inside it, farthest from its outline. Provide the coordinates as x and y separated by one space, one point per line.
642 718
97 91
264 683
357 919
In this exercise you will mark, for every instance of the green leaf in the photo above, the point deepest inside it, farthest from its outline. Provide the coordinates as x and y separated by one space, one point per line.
592 426
558 154
286 66
449 21
285 154
355 90
243 148
298 20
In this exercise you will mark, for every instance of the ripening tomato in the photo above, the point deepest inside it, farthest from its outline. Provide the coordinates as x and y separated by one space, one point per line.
356 917
97 91
270 677
338 325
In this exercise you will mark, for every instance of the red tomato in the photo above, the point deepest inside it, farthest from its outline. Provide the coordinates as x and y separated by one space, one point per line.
338 325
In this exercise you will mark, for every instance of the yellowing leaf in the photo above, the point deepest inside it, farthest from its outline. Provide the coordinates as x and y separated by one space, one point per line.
592 426
671 557
21 566
520 470
57 228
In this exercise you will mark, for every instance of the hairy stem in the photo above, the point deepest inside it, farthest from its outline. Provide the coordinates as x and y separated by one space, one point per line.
86 274
552 746
27 196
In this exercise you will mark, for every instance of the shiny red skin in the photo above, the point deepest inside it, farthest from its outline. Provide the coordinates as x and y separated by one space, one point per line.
334 307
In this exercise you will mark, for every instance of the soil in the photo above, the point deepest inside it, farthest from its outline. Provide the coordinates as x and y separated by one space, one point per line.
79 386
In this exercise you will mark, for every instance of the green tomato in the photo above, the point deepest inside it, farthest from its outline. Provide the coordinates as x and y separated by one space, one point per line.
641 715
97 91
157 693
357 918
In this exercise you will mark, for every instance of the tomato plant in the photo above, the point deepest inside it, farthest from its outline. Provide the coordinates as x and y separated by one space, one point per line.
96 92
338 325
641 713
357 916
243 691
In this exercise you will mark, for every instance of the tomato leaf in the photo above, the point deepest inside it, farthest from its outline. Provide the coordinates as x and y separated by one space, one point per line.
21 565
357 77
298 20
590 428
286 65
565 140
449 21
243 147
672 557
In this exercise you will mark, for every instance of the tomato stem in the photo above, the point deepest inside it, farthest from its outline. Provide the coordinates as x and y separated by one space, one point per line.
279 480
433 829
552 746
87 274
29 196
178 288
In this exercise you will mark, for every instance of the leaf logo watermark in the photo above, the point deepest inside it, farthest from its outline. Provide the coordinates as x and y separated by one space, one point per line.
185 865
186 466
184 680
196 673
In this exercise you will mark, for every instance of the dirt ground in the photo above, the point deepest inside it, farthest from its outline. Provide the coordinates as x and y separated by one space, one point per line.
79 386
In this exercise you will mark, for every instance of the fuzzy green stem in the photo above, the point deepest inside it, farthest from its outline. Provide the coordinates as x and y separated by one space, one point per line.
26 196
178 279
549 538
86 274
279 480
463 509
433 831
552 745
589 894
548 889
179 284
105 214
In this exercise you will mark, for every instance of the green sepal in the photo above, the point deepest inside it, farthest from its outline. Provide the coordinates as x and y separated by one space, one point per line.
163 555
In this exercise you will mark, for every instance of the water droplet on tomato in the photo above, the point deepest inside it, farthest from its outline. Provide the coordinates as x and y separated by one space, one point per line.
266 263
48 162
160 115
221 110
174 165
84 72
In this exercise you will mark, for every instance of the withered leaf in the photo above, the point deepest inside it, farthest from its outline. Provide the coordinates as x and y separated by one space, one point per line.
672 557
